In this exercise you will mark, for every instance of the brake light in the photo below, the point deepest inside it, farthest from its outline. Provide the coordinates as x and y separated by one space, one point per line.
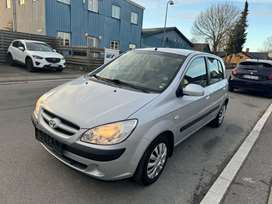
234 71
270 76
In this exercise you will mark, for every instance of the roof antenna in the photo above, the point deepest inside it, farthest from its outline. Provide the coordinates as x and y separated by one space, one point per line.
156 49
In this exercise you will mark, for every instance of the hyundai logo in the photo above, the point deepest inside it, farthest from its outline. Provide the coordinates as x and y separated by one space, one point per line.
54 123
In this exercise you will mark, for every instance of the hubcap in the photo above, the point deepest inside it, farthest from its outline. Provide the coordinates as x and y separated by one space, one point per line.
157 160
222 114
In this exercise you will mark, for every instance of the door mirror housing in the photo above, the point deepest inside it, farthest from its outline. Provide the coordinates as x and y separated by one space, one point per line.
21 48
54 50
193 90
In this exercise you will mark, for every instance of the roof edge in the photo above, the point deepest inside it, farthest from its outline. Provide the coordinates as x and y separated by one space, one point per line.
135 4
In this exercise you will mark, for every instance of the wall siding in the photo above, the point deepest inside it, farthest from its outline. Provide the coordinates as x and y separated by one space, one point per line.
174 41
78 20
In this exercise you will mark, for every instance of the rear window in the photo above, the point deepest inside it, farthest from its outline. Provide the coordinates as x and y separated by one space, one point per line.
255 65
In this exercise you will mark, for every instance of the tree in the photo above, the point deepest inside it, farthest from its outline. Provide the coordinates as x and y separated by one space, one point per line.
215 23
268 44
238 36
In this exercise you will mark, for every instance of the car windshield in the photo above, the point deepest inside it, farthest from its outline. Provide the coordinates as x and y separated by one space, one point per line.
255 65
41 47
146 70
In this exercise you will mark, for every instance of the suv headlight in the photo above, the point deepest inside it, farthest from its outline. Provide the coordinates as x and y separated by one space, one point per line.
37 57
109 134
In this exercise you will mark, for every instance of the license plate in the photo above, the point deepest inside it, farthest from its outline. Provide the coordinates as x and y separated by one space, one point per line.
49 142
251 77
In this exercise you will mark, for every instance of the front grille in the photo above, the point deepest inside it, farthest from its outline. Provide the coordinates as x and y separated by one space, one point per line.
53 60
62 126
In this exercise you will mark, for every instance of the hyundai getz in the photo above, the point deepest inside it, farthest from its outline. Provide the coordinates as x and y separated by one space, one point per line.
125 118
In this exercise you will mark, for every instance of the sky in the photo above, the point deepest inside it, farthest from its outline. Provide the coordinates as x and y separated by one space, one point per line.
184 12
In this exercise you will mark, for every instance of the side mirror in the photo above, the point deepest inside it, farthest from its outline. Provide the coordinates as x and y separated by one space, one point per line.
54 50
193 90
21 48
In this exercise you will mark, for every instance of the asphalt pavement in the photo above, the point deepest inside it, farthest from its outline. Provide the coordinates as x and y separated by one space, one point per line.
28 174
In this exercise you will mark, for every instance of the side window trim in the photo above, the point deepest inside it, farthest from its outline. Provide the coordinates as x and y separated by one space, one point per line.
219 65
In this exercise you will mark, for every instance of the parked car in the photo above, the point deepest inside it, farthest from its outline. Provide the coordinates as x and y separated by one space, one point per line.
35 55
253 75
125 118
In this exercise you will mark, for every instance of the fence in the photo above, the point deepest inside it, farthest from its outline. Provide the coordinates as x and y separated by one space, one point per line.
6 37
83 56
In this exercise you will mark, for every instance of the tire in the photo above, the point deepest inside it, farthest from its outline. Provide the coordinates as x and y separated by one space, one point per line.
218 121
29 65
146 176
10 60
59 70
231 89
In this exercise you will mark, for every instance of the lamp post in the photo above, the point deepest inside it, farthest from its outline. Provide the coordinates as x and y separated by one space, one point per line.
14 16
169 2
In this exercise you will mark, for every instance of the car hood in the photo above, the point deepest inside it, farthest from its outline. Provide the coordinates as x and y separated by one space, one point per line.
46 54
89 103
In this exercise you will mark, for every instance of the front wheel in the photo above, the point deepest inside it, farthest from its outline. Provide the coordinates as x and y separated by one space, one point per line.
29 65
10 60
153 162
218 121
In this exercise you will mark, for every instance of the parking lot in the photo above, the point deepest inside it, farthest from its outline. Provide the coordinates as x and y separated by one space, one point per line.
30 175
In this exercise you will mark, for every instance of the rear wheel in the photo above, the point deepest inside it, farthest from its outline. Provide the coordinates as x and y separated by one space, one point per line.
29 65
218 121
59 69
10 60
153 162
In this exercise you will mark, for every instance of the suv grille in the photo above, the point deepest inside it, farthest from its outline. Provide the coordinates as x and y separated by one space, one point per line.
53 60
59 124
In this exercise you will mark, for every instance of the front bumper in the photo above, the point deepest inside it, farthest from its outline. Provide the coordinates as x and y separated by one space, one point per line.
103 164
261 86
43 64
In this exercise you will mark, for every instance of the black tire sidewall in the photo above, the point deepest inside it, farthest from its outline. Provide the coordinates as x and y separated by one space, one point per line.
145 179
29 64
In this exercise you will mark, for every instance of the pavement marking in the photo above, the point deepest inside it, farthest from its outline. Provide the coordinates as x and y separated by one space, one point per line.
270 196
216 193
36 81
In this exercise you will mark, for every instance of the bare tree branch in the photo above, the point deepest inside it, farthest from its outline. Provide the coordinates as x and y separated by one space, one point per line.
215 23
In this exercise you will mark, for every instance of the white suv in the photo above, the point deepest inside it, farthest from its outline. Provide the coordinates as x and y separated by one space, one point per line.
35 55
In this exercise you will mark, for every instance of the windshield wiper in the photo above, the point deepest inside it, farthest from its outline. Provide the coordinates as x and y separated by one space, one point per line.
119 82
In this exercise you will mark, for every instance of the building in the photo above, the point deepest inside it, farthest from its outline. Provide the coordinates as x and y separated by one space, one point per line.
153 37
202 47
234 59
115 24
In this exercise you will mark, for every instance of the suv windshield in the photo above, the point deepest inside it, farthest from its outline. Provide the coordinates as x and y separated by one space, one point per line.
145 70
41 47
255 65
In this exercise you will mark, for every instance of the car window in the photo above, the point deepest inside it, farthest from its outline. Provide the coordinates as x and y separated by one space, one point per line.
20 44
215 71
149 70
248 65
15 44
41 47
196 73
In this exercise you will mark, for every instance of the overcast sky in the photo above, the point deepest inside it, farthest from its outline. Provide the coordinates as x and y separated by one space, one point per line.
184 12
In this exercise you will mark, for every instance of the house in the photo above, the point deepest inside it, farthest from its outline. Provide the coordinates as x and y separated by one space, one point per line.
115 24
153 37
234 59
202 47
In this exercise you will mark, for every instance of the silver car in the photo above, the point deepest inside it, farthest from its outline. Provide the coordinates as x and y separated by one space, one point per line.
125 118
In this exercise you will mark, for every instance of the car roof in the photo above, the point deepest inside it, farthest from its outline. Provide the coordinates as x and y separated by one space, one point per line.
30 41
258 61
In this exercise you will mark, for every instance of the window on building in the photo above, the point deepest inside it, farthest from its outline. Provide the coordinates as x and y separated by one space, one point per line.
93 5
132 46
114 45
22 2
116 10
196 73
65 38
65 1
215 70
8 3
134 18
92 42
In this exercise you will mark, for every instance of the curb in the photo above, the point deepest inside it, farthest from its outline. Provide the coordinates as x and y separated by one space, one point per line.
216 193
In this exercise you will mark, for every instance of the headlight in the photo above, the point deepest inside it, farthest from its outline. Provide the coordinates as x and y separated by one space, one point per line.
38 105
109 134
37 57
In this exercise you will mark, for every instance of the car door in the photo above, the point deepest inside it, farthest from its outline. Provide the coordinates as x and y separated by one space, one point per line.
193 109
217 88
21 53
14 50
